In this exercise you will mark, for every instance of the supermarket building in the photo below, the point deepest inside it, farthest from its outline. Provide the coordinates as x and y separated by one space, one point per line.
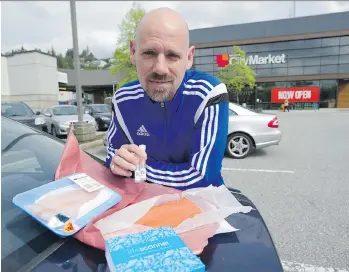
304 59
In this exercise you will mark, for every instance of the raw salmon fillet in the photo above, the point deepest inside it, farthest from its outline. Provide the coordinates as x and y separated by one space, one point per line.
170 214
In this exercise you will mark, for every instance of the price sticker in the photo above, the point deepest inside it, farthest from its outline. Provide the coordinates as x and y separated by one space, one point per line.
86 182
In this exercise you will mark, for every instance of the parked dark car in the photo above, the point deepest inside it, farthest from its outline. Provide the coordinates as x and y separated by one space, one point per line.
21 112
101 113
29 158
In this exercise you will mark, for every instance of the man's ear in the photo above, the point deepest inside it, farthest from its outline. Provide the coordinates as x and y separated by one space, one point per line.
133 52
191 52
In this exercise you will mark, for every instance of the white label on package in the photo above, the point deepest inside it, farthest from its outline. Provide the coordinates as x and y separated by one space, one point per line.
86 182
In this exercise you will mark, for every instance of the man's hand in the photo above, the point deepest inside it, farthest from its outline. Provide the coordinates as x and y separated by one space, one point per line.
126 159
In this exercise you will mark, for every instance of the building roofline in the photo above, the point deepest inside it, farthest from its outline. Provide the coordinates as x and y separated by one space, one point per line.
275 20
306 27
25 52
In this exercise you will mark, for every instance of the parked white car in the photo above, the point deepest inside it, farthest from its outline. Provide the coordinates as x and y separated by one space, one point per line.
249 130
59 118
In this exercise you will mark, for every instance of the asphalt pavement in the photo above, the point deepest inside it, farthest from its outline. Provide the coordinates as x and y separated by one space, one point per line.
301 188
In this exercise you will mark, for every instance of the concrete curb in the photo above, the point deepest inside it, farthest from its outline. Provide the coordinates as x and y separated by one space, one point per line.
95 143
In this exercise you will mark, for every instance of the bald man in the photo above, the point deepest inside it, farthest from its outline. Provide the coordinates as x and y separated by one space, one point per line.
181 115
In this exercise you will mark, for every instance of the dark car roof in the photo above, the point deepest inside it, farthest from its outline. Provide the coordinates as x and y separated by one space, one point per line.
249 249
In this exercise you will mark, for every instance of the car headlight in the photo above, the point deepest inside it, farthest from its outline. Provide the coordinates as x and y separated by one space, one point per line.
64 123
105 118
39 121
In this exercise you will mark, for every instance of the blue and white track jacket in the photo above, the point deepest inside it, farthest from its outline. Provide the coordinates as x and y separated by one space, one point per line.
185 137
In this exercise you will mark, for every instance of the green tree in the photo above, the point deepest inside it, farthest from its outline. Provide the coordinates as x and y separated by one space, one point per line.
122 63
69 59
60 61
237 75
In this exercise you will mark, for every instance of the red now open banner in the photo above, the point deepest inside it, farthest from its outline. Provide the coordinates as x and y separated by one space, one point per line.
297 94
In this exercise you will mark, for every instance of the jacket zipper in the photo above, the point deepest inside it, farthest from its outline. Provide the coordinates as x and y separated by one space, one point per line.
162 104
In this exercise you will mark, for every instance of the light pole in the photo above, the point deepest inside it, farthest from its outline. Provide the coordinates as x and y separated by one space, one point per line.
294 9
76 60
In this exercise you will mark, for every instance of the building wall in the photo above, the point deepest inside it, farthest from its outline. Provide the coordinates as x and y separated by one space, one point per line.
33 79
310 62
302 57
5 84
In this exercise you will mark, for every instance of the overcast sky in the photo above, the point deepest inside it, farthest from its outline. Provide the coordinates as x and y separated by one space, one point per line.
45 24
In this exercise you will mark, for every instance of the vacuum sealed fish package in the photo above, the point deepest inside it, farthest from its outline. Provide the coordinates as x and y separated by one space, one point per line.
67 205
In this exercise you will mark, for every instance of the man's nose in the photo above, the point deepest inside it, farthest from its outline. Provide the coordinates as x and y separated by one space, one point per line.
160 66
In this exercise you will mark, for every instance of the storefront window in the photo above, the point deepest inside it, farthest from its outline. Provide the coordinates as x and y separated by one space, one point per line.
333 41
279 72
343 68
298 44
220 50
329 69
312 43
295 71
264 72
205 60
204 68
311 70
344 59
328 93
344 40
295 62
344 50
197 52
264 66
330 51
329 60
304 83
311 61
206 52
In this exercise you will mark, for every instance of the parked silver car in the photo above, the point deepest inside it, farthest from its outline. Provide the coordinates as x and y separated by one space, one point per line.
59 118
249 130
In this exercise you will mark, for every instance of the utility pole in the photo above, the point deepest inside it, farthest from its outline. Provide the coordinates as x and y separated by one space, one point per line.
294 9
76 60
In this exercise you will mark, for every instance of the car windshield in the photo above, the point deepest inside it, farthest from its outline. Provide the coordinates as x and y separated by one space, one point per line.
15 109
103 108
28 160
239 110
66 110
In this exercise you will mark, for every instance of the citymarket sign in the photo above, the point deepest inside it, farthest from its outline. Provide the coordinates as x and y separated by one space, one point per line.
294 95
224 60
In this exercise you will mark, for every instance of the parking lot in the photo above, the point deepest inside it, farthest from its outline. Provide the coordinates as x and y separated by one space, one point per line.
301 188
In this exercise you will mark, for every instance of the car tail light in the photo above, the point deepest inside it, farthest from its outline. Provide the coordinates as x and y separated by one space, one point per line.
274 123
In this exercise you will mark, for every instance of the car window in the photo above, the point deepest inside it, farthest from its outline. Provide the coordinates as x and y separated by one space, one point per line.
65 110
232 113
103 108
28 160
241 110
15 109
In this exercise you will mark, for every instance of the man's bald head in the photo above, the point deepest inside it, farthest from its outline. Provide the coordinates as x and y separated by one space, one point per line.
167 18
161 53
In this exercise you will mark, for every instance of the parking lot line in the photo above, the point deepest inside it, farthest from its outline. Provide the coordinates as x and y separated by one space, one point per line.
258 170
300 267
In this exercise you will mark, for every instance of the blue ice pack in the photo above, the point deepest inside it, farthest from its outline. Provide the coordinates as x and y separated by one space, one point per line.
59 221
153 250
